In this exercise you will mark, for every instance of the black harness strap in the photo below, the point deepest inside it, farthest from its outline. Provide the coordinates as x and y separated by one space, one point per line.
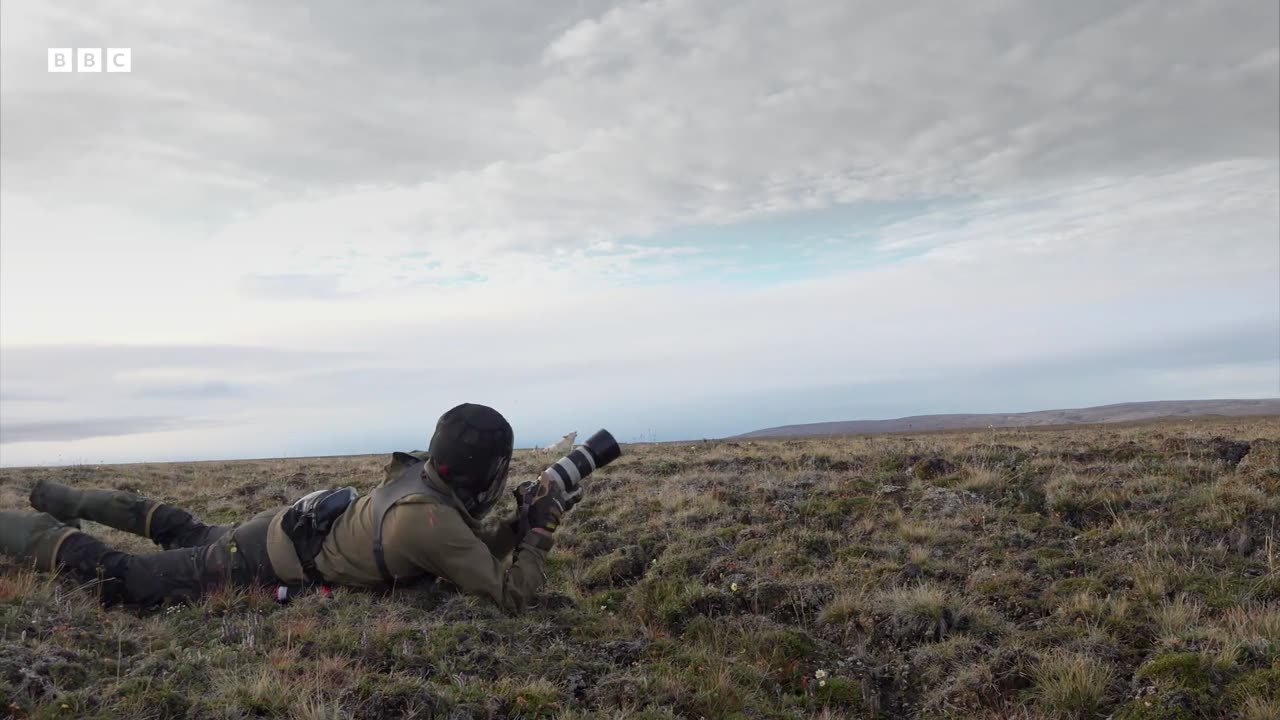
409 482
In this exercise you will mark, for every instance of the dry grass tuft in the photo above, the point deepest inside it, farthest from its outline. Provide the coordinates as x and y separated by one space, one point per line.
1069 685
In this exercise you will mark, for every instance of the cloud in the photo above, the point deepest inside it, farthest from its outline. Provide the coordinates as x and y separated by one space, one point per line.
412 205
66 430
20 396
207 390
550 125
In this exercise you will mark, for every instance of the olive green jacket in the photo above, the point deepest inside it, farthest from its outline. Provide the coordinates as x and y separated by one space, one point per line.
422 537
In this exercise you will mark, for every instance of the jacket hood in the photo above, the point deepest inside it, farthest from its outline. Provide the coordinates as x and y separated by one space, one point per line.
402 460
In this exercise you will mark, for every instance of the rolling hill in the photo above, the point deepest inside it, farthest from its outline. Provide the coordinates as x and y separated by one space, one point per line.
1123 412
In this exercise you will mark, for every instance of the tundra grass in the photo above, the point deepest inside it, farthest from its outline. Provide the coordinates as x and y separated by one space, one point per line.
1130 572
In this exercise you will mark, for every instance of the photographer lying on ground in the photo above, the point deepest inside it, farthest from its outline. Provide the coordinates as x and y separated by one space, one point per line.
421 523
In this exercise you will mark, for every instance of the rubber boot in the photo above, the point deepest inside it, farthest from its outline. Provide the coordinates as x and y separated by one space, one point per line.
33 538
165 525
113 508
58 500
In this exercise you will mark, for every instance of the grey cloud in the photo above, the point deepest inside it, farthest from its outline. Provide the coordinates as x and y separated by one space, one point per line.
641 111
29 397
197 391
44 361
67 430
336 97
152 380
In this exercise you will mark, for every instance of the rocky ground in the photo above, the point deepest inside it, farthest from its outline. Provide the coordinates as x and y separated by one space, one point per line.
1100 571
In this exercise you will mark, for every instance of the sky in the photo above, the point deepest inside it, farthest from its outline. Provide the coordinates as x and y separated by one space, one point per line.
309 228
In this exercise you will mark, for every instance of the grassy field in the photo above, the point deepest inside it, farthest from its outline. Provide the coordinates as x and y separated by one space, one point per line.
1073 573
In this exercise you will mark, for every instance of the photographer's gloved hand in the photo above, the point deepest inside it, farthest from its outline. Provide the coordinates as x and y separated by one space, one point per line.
545 504
541 505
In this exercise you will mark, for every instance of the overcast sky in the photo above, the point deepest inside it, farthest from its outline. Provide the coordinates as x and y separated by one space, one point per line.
310 228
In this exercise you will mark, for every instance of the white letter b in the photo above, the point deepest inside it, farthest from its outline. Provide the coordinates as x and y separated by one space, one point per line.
59 59
89 60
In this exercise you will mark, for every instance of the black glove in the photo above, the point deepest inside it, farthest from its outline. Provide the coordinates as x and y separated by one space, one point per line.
541 504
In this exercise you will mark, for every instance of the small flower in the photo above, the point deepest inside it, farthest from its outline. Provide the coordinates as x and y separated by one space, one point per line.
604 607
822 683
733 587
821 674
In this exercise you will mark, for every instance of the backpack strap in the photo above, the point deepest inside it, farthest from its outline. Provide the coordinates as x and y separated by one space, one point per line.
410 481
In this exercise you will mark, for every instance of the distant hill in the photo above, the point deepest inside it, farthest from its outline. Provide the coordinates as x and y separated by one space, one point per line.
1124 412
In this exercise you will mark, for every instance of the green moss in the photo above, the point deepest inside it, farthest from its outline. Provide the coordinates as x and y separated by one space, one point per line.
841 693
1155 707
860 551
673 601
688 680
665 467
1186 685
1222 592
684 564
398 695
1006 585
1264 589
1071 586
532 701
842 697
892 464
152 697
620 566
787 653
1258 684
834 512
63 706
1186 671
728 532
1026 498
1031 522
449 638
609 599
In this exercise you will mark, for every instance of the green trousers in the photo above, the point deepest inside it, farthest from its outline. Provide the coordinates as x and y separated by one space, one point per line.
199 557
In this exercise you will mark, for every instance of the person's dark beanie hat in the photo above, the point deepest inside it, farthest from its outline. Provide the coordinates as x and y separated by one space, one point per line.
469 444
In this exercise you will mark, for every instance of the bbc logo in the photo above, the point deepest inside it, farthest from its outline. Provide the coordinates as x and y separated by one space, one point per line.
90 59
